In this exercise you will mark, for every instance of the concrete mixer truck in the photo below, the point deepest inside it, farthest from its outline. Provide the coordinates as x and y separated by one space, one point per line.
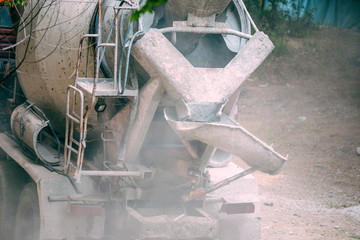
127 127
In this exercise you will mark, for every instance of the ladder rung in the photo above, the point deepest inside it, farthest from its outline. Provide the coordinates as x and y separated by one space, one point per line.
107 44
72 149
73 118
109 139
125 8
75 115
75 141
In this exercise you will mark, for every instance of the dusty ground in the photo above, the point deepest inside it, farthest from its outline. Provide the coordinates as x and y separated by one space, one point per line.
307 103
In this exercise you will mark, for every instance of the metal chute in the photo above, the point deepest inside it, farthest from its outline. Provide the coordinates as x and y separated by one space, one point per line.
230 137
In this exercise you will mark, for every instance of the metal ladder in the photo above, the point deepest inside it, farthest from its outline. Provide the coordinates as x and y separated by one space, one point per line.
74 117
104 87
77 116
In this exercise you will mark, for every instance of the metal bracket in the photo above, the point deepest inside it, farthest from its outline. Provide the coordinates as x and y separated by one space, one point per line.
196 193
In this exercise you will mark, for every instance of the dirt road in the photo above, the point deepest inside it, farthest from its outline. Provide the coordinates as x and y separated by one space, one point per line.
307 103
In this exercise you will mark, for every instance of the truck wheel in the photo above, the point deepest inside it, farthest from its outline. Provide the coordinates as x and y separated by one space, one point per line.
12 181
27 223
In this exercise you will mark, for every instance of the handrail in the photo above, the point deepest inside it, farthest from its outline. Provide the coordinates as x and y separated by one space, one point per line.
205 30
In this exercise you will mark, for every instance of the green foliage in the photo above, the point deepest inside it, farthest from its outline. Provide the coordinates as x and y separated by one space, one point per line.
280 24
298 25
19 2
148 7
10 3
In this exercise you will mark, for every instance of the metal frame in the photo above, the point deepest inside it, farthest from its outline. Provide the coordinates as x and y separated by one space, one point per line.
103 87
90 85
95 80
73 118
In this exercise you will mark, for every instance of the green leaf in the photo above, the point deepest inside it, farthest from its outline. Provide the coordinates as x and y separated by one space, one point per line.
148 7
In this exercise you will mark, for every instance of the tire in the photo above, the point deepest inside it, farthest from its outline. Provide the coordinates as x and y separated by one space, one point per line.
12 181
27 223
